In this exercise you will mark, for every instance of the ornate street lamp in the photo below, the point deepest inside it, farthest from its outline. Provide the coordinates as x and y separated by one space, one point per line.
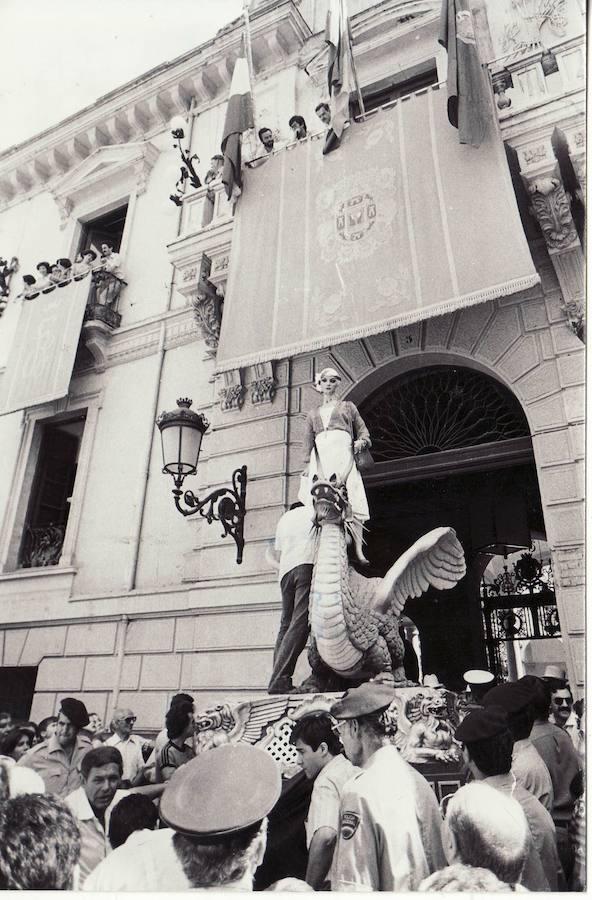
181 432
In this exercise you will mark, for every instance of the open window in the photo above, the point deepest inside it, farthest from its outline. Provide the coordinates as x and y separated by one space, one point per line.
51 493
398 85
108 227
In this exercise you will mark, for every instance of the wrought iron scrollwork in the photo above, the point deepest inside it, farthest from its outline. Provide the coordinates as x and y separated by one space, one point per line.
42 546
225 505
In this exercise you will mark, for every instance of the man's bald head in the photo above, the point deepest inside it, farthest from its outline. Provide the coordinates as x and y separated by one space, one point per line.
485 828
123 721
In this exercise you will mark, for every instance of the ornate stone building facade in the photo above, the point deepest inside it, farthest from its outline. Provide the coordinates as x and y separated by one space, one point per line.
137 603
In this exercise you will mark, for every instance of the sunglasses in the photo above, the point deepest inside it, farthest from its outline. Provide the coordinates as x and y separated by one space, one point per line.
562 701
130 720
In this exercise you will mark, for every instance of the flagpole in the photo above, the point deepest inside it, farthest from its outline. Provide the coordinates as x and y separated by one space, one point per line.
353 63
249 56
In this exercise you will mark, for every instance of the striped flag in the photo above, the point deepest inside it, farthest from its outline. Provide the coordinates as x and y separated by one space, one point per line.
469 93
340 74
239 118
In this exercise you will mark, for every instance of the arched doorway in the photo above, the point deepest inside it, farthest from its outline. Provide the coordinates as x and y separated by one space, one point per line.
452 447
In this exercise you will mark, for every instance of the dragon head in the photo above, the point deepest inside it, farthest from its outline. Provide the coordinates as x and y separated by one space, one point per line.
435 705
330 501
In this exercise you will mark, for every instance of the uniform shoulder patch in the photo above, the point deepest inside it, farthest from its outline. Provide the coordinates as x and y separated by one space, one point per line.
349 825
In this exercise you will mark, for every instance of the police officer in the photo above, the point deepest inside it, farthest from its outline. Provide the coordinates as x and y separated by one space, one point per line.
390 830
58 759
214 810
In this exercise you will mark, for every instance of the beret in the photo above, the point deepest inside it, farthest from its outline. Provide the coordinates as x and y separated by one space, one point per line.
511 696
480 724
478 676
363 700
221 791
75 711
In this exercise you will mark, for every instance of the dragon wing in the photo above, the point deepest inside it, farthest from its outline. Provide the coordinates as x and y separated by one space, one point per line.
437 559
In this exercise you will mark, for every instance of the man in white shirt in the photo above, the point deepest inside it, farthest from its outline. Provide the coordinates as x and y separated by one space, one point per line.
390 832
293 554
129 745
93 802
321 755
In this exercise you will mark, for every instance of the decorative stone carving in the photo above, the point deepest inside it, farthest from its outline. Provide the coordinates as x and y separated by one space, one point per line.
535 154
550 206
232 397
575 311
207 308
523 32
263 389
422 725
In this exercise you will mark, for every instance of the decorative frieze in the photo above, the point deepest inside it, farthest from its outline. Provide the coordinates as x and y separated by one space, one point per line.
523 31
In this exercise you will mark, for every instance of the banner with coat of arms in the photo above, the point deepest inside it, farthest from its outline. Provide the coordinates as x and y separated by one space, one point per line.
398 224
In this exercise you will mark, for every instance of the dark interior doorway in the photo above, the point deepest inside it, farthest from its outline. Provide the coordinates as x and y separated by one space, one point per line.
108 227
484 508
17 686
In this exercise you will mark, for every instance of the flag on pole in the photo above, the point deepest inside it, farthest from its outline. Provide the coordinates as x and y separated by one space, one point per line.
469 93
340 72
239 118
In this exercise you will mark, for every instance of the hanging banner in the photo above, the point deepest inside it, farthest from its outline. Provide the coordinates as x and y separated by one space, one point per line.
41 359
398 224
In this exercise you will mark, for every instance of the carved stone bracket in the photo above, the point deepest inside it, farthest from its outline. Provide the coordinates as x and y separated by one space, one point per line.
65 207
232 397
207 304
263 385
550 206
207 308
263 389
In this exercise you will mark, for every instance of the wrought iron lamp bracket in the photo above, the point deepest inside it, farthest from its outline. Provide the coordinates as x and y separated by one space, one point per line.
225 505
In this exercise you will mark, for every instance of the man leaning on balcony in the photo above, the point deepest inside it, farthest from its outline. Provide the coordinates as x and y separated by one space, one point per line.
58 759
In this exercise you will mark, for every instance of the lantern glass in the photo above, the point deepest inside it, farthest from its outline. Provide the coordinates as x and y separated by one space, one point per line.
181 444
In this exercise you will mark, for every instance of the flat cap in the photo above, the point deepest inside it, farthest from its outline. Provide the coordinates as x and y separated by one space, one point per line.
511 696
363 700
478 676
75 711
221 791
481 724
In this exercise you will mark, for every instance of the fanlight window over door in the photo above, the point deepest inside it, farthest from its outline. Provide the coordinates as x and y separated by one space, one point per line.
440 408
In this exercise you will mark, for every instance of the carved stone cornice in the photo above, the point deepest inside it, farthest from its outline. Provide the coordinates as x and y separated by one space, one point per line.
141 108
125 163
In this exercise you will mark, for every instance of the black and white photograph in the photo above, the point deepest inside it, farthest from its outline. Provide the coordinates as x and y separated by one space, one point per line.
292 423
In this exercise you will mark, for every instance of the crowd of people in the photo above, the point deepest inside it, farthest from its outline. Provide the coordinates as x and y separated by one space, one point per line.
83 807
106 268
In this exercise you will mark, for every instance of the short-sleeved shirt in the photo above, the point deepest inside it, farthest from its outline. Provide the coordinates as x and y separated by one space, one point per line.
60 773
131 753
294 540
531 772
559 755
173 756
146 862
390 835
541 829
325 800
94 842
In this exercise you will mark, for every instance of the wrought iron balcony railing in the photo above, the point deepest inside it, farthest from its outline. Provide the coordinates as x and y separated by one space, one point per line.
42 545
